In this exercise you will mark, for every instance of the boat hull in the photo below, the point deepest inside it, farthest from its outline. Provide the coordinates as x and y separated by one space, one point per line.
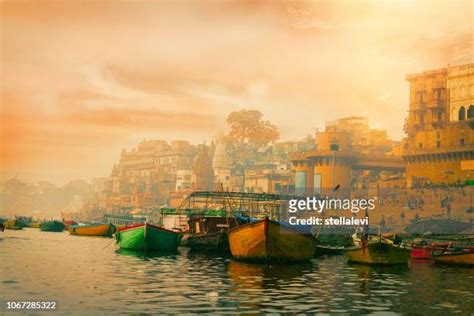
148 237
12 224
322 250
379 253
105 230
268 240
216 242
421 252
34 225
460 258
52 226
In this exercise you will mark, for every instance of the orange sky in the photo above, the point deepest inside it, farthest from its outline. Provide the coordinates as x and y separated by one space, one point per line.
81 80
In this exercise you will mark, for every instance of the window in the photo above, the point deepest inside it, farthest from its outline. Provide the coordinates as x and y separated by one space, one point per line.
420 145
419 96
470 112
438 144
461 142
462 114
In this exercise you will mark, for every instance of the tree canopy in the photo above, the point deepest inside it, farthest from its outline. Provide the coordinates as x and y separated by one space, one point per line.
248 127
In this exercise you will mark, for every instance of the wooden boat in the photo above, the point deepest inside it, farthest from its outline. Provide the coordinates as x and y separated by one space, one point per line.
322 250
34 225
269 240
105 230
378 253
52 226
210 233
425 252
148 237
463 257
68 223
12 224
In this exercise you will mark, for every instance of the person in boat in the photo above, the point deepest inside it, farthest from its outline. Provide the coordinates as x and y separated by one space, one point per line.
2 227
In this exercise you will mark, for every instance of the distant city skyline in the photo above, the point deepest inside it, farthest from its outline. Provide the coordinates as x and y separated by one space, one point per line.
82 80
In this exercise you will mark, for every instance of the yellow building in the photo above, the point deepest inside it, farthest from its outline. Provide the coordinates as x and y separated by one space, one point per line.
339 158
461 92
440 125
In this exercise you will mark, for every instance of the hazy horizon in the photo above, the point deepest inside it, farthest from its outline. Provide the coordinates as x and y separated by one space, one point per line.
81 81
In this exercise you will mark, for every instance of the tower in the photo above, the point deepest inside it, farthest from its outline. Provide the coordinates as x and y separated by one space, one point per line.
221 166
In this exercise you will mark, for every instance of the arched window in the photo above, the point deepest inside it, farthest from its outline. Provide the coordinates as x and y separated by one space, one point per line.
462 114
470 112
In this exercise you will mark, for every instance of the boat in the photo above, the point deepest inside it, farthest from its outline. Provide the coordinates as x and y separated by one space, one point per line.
105 230
52 226
322 250
425 252
463 257
12 224
68 223
378 253
437 226
210 233
148 237
34 225
267 240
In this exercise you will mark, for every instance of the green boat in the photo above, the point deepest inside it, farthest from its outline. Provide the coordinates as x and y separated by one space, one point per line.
52 226
148 237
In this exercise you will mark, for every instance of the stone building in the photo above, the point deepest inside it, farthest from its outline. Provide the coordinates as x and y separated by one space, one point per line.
203 174
344 153
221 166
148 173
440 126
460 84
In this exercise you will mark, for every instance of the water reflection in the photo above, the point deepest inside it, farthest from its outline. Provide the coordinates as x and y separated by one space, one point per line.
86 276
146 254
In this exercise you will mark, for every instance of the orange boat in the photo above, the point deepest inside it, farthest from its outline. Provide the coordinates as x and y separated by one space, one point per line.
462 257
269 240
92 230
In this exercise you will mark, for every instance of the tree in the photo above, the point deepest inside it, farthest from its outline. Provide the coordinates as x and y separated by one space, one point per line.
248 127
249 134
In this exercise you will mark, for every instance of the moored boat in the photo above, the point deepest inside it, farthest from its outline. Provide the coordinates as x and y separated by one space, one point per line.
464 257
322 250
34 225
68 223
52 226
210 233
148 237
105 230
378 253
426 251
269 240
12 224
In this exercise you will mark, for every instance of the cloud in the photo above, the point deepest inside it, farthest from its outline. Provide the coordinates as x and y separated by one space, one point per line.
86 80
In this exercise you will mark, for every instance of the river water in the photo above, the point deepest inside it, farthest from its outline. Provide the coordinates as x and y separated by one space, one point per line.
87 275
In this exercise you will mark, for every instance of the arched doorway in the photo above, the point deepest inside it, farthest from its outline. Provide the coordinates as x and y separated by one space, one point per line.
462 114
470 112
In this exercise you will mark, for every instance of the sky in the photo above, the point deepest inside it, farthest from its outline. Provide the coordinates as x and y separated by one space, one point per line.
80 80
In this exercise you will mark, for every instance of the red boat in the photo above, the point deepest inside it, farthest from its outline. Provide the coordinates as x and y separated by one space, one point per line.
68 223
426 252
